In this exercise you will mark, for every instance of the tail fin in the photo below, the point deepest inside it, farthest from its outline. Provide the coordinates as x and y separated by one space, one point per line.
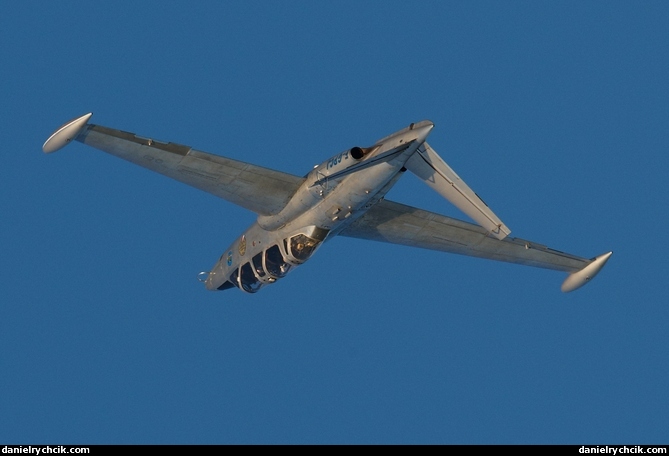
434 171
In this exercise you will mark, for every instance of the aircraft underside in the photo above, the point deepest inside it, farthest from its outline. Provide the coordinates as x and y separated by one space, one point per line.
342 196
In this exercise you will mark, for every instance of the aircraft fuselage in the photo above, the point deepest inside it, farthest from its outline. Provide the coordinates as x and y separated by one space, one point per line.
334 194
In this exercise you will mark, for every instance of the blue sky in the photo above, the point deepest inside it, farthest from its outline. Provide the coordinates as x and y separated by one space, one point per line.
557 114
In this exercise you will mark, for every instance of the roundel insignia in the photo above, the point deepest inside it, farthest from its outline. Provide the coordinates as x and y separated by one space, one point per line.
230 258
242 245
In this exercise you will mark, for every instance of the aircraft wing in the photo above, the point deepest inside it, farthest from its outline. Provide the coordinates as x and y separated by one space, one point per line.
397 223
261 190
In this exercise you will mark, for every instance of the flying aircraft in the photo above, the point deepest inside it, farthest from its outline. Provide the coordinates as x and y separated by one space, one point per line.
344 195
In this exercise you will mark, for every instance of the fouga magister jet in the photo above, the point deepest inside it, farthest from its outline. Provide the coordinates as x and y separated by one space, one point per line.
343 196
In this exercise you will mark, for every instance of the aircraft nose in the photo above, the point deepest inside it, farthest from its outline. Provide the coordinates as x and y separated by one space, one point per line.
423 131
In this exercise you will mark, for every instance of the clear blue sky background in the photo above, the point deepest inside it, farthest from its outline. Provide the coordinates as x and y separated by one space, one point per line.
557 114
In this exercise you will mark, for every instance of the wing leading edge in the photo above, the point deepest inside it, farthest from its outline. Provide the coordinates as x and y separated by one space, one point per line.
396 223
261 190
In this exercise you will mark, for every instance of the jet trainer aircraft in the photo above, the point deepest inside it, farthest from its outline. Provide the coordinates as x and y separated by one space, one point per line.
342 196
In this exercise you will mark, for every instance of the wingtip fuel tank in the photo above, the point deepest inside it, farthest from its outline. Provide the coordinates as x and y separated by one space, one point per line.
577 279
65 134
